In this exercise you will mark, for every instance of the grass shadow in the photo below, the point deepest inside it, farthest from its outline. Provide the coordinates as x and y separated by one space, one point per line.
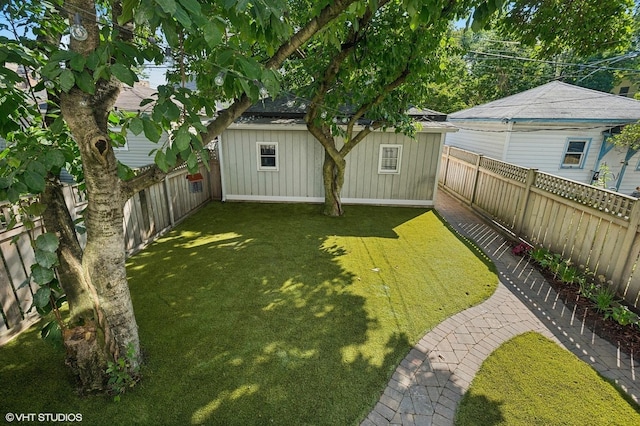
256 312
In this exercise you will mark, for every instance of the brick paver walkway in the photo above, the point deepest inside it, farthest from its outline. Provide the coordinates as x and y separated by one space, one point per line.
428 384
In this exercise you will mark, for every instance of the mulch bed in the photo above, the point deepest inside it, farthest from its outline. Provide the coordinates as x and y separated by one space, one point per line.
626 337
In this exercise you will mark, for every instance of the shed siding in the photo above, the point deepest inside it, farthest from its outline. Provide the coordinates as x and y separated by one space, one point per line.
487 139
299 158
418 167
299 175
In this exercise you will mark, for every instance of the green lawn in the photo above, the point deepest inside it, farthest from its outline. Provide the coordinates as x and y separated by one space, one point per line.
530 380
269 314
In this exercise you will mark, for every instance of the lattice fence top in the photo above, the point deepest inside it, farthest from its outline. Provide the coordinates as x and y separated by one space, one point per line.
604 200
461 154
507 170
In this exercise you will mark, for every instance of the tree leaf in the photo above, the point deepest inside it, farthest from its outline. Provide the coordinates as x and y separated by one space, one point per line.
35 209
41 275
136 126
5 181
151 130
212 34
183 139
123 74
41 298
182 17
46 259
85 82
192 6
161 160
47 242
77 62
34 181
168 6
52 334
54 159
192 162
67 80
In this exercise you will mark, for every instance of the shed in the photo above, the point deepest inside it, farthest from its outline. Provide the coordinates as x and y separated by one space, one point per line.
557 128
269 155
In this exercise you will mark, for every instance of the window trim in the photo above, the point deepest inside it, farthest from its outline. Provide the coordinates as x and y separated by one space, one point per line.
585 152
262 168
396 171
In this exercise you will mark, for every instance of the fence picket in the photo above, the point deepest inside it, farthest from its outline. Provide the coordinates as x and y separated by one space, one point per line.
145 218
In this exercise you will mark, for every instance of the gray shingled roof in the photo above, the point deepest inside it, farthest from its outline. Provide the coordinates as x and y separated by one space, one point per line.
130 98
556 101
289 106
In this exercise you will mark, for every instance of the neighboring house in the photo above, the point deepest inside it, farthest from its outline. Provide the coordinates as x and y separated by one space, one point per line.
269 155
626 88
135 153
556 128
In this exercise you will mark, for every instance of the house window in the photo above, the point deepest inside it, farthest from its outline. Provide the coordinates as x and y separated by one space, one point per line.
389 161
575 153
268 156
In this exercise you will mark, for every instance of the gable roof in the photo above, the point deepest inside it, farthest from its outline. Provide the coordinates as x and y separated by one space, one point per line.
556 101
130 97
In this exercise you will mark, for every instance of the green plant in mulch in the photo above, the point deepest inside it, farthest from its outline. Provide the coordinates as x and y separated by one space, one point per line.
603 298
596 289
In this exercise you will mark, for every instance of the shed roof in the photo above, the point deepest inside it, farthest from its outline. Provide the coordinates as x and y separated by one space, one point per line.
289 106
556 101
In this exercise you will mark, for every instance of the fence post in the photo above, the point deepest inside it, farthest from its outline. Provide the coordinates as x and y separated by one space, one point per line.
624 259
167 192
476 173
524 200
447 148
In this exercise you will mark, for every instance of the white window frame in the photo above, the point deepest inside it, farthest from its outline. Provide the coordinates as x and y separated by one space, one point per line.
261 167
381 158
583 154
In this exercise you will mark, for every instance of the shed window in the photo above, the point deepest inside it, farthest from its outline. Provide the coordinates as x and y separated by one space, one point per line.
624 91
267 156
390 156
575 152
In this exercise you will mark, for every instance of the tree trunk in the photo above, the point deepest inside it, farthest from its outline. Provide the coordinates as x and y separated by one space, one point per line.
57 219
333 178
103 261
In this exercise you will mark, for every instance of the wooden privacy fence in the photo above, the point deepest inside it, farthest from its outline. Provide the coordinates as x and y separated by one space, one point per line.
591 226
147 215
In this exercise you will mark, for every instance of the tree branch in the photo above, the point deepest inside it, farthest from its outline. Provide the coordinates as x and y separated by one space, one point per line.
228 116
367 106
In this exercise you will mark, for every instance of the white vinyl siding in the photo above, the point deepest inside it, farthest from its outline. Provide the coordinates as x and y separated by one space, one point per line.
389 159
487 139
136 151
267 156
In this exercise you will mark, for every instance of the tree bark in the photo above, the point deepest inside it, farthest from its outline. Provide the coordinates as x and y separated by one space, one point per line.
103 261
57 219
333 178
